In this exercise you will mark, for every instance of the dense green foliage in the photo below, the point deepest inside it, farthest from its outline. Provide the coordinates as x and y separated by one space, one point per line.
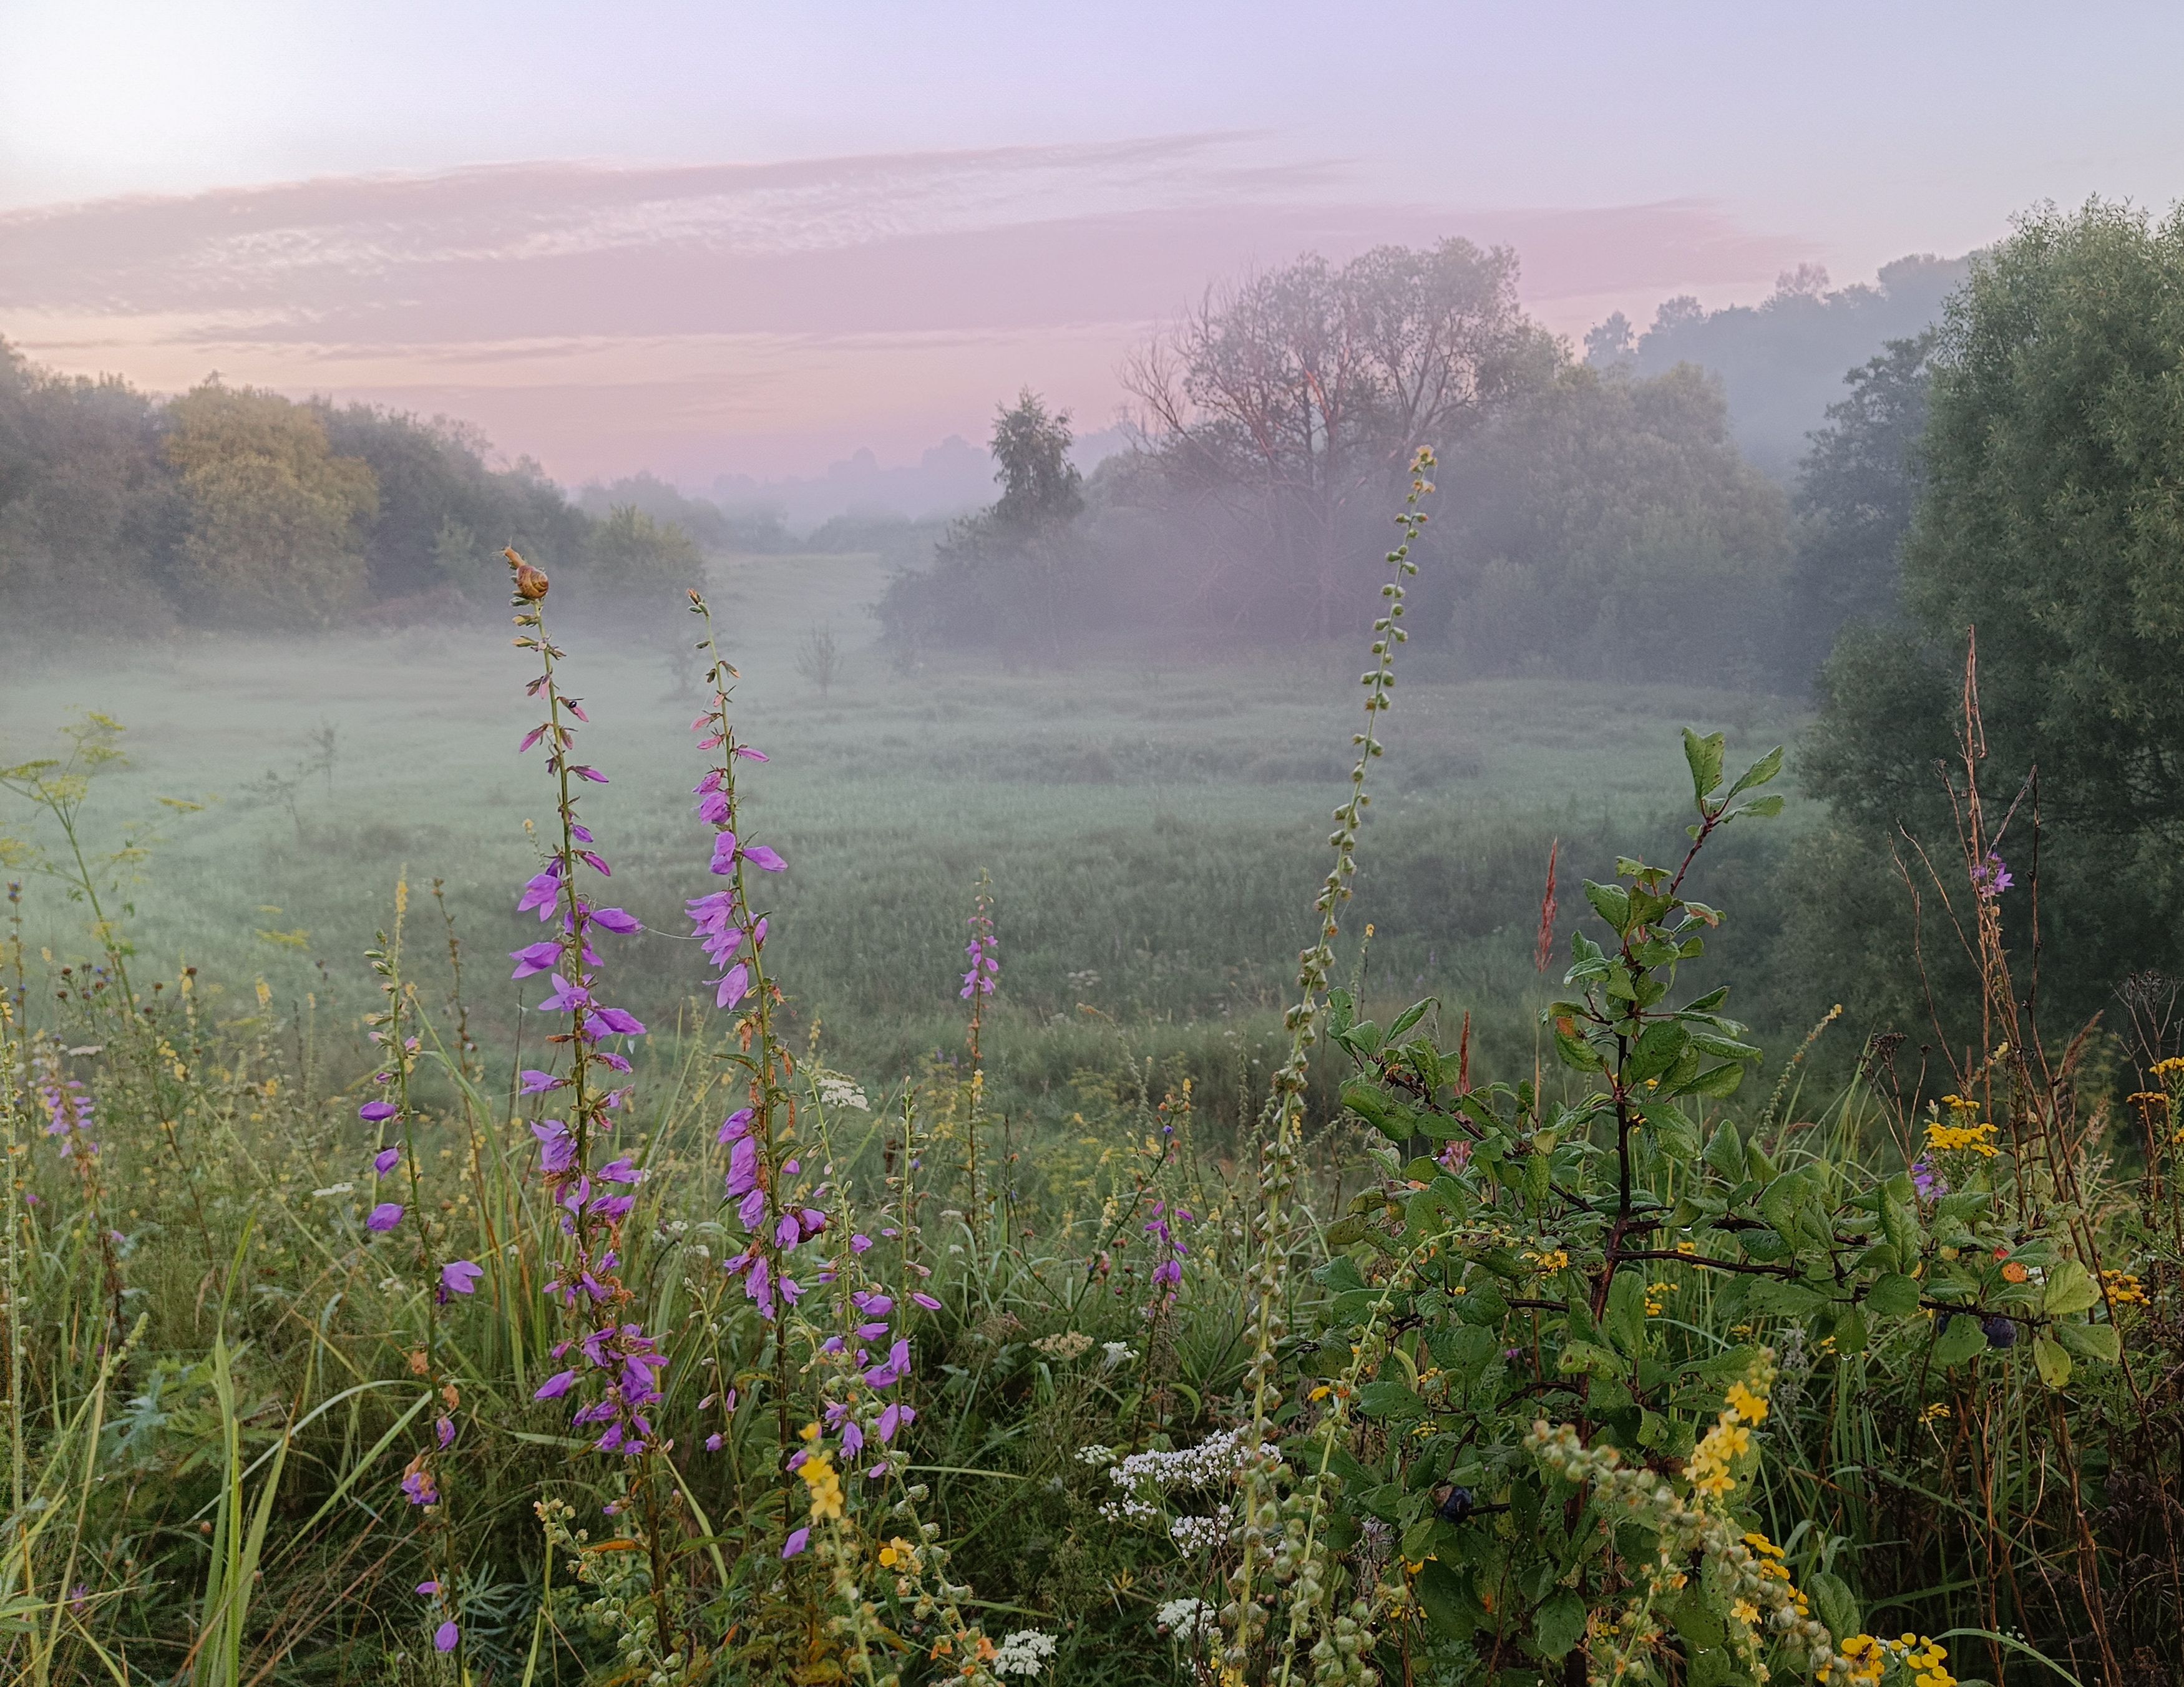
2047 530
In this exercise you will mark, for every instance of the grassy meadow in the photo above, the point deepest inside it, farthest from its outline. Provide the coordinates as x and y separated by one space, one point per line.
1180 1312
1149 826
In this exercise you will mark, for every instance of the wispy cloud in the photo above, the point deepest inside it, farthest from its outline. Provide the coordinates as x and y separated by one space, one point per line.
575 308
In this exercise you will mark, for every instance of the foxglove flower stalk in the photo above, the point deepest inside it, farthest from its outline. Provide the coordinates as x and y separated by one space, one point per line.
617 1385
733 933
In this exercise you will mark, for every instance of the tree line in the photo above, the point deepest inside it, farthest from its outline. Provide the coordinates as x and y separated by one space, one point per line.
1595 514
232 507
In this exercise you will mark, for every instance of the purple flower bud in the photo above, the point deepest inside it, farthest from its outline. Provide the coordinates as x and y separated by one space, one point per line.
765 859
446 1637
618 1019
385 1160
796 1543
603 869
925 1301
384 1216
724 855
420 1488
428 1588
536 1082
737 1124
733 986
377 1112
615 920
446 1430
713 1444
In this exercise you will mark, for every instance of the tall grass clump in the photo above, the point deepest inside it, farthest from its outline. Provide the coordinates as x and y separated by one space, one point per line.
676 1352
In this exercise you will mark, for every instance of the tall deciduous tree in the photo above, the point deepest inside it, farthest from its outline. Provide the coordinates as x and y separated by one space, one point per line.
1857 491
1297 398
275 518
2052 524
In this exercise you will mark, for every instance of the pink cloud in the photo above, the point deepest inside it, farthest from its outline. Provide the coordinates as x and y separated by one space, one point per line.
602 319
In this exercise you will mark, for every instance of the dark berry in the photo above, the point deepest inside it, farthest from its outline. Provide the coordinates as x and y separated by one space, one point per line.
2001 1331
1456 1506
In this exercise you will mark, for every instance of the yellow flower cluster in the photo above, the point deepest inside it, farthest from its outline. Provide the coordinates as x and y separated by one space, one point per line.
1934 1413
2123 1287
1556 1260
1869 1658
2171 1067
820 1480
1977 1139
1657 1298
1726 1442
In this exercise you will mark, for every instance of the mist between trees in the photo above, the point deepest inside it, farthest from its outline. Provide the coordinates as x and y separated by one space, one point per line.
1591 508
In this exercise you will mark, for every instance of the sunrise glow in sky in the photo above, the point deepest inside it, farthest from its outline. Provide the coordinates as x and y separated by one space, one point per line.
708 237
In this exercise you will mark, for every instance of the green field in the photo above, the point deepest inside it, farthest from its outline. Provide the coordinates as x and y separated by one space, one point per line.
1153 829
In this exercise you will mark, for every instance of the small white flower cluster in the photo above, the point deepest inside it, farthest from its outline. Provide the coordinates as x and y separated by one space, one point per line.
1022 1653
1186 1619
1118 1352
1143 1477
1199 1534
1064 1344
837 1091
1095 1455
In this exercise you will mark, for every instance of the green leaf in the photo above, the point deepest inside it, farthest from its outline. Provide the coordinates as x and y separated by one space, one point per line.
1962 1341
1838 1605
1761 808
1659 1046
1850 1331
2052 1362
1761 772
1448 1606
1704 755
1388 1398
1610 902
1625 1323
2091 1341
1407 1018
1559 1623
1716 1082
1893 1295
1589 1357
1724 1153
2070 1288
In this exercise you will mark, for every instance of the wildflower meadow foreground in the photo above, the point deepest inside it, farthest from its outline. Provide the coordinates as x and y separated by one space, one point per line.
648 1354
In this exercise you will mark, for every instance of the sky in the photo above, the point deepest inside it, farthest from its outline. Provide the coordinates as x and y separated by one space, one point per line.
706 237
